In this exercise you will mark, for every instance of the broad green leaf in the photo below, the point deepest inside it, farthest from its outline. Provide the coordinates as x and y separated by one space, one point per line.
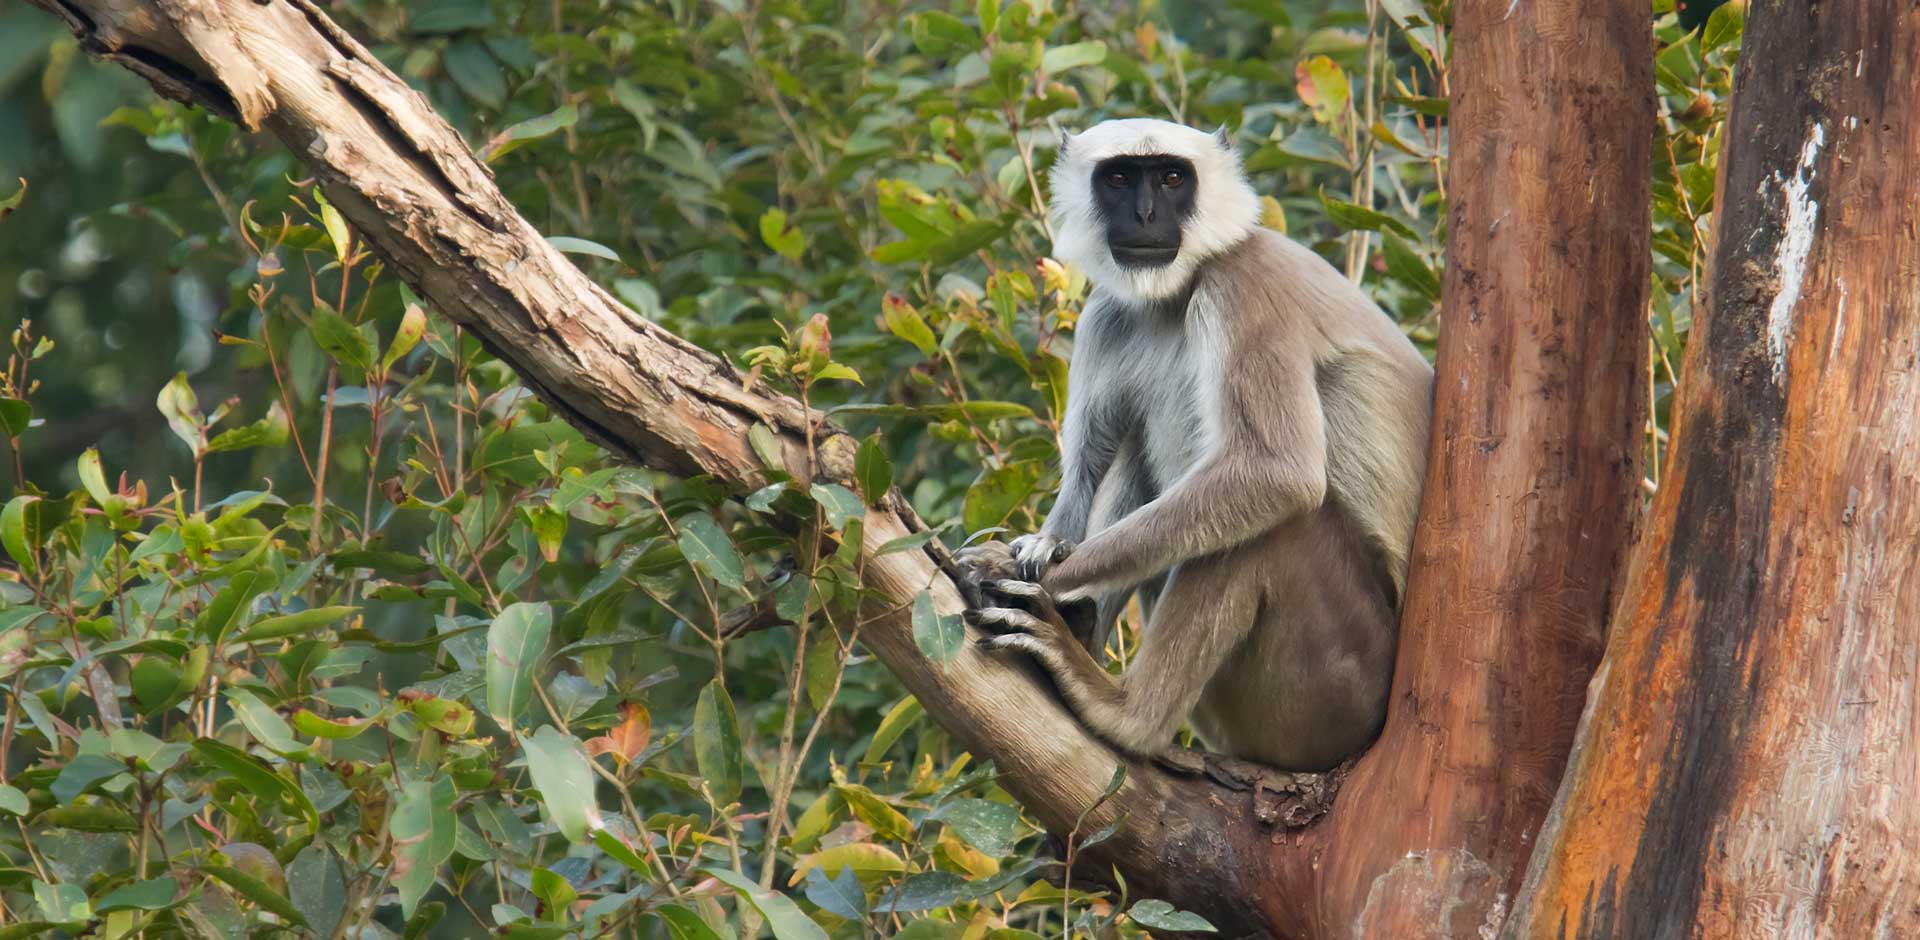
781 236
581 246
294 624
423 833
265 724
230 607
15 417
476 72
939 636
998 492
873 469
413 325
1159 915
150 895
563 774
886 822
869 861
342 339
332 729
839 503
93 478
898 719
840 895
529 130
261 892
685 924
336 226
19 531
707 547
270 431
923 892
1323 87
1352 217
716 742
317 888
256 777
65 902
12 800
181 408
516 645
785 917
1061 58
83 773
988 826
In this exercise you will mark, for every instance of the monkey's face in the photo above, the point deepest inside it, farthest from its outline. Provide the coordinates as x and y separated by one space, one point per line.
1144 201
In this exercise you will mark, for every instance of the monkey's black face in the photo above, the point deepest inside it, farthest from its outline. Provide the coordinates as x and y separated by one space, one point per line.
1144 201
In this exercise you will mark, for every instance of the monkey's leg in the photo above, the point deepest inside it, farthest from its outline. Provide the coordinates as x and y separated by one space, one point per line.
1204 614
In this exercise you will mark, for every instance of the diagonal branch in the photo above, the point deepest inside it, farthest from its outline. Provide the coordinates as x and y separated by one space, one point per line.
411 187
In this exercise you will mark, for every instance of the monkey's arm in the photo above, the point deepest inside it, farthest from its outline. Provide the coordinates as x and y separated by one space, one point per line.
1267 465
1090 431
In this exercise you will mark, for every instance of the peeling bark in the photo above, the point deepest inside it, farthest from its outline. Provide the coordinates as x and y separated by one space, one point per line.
1747 764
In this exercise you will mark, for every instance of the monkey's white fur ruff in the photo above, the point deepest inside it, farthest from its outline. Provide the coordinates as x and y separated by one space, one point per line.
1225 208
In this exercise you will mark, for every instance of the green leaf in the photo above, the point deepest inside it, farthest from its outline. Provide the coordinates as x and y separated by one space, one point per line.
256 777
708 548
780 236
530 130
924 892
230 607
516 643
265 724
1324 88
873 469
476 72
1724 26
423 831
973 410
314 726
782 914
898 719
12 800
886 822
839 503
151 895
582 246
93 478
840 895
413 326
1410 269
19 531
83 773
1061 58
270 431
12 202
562 773
684 924
337 231
294 624
988 826
1159 915
65 903
716 742
341 339
15 417
1352 217
939 636
317 888
902 320
997 493
181 408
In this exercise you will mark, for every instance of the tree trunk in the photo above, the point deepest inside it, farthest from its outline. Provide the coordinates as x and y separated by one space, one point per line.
1529 490
1747 762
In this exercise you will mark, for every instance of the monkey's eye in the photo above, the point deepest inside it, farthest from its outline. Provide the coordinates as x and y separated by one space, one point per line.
1117 180
1173 179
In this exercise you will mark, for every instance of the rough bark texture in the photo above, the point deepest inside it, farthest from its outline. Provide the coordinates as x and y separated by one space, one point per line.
1747 765
1534 474
1528 495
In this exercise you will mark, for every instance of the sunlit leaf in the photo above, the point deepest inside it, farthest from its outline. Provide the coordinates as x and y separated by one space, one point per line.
563 774
516 646
716 742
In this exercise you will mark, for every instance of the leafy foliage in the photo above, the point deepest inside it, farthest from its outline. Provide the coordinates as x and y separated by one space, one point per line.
339 631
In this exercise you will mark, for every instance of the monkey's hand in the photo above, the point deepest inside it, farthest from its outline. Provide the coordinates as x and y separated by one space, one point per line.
1021 616
1034 554
987 561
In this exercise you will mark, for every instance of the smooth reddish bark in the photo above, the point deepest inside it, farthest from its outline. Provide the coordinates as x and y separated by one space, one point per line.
1748 765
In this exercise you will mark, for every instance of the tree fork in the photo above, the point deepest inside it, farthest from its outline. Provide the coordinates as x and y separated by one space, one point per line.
1530 485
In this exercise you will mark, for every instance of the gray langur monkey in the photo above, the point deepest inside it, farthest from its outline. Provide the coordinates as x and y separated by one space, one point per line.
1244 444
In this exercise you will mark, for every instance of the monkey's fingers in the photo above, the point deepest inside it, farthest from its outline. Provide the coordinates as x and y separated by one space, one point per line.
1024 595
1004 620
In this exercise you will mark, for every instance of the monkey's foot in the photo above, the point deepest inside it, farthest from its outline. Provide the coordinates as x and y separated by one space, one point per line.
1287 799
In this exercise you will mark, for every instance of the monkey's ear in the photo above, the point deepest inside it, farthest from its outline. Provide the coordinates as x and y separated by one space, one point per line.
1223 137
1066 137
